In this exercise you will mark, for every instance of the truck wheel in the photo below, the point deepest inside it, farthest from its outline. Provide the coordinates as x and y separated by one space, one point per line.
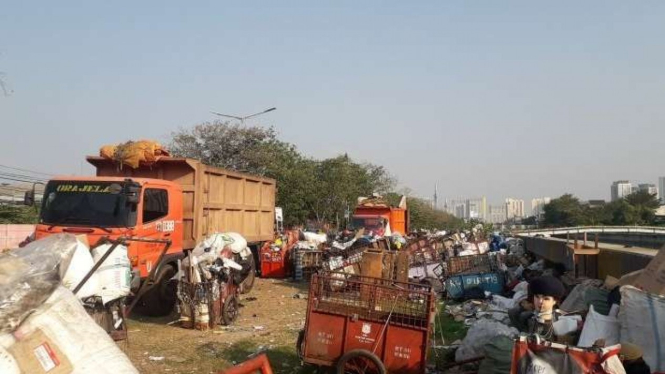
230 310
248 282
160 299
360 361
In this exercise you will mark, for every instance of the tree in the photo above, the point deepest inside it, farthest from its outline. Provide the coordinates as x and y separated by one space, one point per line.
306 188
564 211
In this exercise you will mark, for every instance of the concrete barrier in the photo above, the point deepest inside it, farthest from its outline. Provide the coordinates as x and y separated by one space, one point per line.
12 235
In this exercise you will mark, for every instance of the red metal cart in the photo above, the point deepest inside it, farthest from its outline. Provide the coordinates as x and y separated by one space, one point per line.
367 325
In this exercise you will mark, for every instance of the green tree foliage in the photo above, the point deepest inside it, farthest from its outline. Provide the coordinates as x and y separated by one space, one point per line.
564 211
306 188
422 216
15 214
635 209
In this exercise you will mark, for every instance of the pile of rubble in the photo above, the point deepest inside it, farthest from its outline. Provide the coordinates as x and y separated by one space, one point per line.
617 317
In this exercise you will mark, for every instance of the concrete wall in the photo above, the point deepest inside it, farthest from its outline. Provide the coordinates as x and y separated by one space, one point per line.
652 241
12 235
613 259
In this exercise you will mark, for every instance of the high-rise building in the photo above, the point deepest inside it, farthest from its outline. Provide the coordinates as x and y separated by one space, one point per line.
477 208
497 214
514 208
620 189
649 188
538 205
661 190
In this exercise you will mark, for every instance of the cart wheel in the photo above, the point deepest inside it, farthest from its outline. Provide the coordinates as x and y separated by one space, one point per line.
300 349
360 361
230 310
248 282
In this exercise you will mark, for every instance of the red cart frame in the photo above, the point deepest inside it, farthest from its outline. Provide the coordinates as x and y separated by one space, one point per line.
363 324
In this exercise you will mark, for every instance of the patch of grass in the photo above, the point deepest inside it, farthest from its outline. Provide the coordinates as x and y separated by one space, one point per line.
446 325
283 359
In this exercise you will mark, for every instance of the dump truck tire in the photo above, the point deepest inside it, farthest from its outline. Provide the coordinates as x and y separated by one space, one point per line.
360 361
230 310
248 283
160 299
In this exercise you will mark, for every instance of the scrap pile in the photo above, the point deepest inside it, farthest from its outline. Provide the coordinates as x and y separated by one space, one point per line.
588 320
44 326
212 273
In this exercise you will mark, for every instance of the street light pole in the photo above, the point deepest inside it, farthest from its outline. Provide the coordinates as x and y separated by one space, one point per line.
242 119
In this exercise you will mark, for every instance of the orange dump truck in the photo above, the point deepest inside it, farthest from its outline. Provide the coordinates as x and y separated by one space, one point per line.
178 199
374 214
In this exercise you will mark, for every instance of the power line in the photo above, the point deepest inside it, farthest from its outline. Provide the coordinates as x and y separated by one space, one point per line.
29 171
22 176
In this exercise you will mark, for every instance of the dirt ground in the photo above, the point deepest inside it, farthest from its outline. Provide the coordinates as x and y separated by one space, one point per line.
269 322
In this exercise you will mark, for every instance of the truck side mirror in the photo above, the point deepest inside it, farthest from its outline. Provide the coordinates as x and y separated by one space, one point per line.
29 198
133 192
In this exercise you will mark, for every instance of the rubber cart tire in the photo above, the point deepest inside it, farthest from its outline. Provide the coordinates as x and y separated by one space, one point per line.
230 310
360 361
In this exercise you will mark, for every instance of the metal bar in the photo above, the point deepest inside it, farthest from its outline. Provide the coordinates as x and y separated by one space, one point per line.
97 265
144 287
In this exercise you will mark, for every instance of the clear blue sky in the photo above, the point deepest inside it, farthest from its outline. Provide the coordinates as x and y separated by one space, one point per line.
495 98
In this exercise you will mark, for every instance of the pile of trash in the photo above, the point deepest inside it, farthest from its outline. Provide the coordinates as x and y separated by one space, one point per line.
592 315
212 273
44 326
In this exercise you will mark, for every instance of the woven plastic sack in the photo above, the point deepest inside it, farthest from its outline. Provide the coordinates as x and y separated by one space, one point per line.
30 274
642 318
68 331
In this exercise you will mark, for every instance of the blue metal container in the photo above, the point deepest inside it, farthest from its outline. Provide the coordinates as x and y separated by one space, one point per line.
457 285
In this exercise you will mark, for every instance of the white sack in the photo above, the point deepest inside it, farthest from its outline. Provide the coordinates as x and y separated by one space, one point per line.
642 318
566 324
598 326
115 274
315 238
79 266
87 346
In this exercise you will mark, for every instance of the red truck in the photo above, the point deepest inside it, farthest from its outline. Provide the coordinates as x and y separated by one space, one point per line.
178 199
374 214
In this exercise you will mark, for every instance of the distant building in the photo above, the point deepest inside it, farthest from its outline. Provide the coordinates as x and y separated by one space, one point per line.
497 214
648 187
538 205
596 203
475 208
514 208
661 190
620 189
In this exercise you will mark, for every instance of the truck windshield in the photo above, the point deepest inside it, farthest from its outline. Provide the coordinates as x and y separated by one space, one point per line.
87 203
369 223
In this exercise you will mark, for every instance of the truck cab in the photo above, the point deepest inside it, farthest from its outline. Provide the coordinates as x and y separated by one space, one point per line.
116 207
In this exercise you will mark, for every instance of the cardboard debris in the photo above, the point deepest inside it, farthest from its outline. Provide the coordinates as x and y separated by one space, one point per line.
652 278
36 353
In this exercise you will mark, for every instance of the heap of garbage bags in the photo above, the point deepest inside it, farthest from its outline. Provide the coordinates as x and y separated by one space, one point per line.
44 326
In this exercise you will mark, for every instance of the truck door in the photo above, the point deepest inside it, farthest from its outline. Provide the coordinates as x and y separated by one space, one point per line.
158 223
